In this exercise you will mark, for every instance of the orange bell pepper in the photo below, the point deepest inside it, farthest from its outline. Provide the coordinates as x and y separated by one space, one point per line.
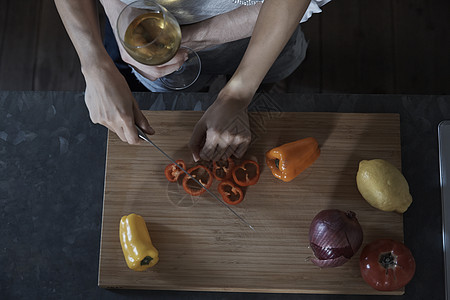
287 161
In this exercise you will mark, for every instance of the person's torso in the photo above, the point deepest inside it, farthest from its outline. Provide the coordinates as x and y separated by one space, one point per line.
192 11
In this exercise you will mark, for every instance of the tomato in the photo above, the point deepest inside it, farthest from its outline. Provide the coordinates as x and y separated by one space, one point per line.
387 265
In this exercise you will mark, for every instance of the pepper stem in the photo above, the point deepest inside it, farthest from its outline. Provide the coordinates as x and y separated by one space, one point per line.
146 260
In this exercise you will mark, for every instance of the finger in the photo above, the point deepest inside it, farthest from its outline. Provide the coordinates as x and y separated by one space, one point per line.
150 75
131 133
162 71
141 120
119 132
197 141
178 59
240 151
228 152
225 140
217 155
208 154
242 147
155 72
211 144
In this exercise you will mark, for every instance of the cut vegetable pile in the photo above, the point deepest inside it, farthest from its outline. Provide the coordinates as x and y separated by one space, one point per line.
234 176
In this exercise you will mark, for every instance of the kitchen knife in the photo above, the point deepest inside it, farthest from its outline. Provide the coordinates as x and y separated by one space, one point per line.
143 136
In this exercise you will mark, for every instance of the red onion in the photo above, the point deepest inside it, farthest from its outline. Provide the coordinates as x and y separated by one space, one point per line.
335 236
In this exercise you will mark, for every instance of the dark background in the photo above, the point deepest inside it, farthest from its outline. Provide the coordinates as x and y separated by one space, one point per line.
355 46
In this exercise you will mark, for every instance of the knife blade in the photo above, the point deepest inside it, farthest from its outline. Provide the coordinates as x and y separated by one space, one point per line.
143 136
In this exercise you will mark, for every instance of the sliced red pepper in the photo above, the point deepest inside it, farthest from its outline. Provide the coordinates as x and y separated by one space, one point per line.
223 169
203 175
247 173
172 172
231 193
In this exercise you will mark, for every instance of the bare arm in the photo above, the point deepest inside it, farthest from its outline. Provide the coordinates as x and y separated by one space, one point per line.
81 22
223 130
231 26
107 96
277 21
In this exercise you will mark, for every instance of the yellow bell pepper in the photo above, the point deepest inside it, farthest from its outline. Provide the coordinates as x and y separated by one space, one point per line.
137 247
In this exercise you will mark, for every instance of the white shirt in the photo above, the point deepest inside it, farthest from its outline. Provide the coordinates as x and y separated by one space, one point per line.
313 8
192 11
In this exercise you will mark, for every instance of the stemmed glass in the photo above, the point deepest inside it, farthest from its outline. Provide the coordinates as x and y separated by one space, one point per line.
152 36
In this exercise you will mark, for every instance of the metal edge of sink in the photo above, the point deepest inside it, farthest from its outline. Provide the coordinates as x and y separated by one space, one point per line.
444 167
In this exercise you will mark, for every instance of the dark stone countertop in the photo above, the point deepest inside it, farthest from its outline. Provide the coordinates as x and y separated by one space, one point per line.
52 163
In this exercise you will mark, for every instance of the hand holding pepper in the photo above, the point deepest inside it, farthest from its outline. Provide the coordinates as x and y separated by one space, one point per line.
223 130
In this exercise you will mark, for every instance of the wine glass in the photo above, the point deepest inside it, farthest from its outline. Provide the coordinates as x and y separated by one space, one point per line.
152 36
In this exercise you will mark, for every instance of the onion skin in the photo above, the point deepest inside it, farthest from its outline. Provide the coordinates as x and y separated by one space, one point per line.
334 236
330 263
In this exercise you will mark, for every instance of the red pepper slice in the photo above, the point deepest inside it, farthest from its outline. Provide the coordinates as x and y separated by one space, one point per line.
172 172
231 193
223 170
247 173
202 174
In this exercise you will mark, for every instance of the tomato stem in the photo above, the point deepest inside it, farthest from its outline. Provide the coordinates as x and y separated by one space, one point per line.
387 260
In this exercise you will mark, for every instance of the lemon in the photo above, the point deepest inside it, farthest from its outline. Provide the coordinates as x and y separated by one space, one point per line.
383 185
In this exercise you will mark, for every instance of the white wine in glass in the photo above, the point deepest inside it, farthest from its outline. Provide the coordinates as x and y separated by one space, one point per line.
150 40
152 36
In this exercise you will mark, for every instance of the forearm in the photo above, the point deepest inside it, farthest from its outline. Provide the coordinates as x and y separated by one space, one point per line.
228 27
112 10
81 22
276 23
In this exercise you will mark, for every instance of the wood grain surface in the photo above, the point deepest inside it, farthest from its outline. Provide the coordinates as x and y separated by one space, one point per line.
203 247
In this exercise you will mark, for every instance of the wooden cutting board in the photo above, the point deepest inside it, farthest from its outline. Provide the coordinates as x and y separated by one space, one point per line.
203 247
